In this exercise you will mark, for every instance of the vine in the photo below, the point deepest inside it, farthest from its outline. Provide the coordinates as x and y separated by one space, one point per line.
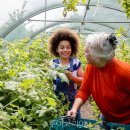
126 6
70 5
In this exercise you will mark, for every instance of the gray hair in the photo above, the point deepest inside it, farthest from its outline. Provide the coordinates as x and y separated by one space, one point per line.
101 45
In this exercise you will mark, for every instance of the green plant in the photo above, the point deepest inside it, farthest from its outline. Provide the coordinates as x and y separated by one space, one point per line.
126 6
70 5
27 100
123 48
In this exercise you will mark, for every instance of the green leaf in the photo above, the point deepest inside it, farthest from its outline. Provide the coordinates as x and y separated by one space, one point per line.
1 105
2 98
51 101
84 1
1 83
27 102
42 111
11 85
0 46
45 124
63 77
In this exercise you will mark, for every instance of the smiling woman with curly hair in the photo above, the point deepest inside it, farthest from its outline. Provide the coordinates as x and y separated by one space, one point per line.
64 44
60 35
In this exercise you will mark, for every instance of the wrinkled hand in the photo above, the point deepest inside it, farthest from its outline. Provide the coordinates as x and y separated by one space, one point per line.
72 114
68 74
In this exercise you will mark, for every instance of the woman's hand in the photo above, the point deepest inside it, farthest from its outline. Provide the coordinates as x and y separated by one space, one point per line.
76 106
71 76
68 74
72 114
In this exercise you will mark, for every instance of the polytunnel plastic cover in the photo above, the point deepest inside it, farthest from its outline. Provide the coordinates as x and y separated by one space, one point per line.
28 18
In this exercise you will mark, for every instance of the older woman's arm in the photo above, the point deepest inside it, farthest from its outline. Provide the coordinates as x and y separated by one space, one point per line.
82 95
77 104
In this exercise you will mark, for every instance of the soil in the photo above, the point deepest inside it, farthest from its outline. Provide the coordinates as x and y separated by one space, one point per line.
86 111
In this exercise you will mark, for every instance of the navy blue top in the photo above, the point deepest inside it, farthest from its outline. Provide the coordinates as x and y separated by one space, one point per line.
67 89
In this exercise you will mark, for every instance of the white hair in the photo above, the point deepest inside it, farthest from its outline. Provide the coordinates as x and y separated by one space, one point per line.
100 46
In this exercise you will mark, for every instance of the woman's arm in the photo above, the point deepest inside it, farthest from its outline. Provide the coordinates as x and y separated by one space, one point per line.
77 104
82 95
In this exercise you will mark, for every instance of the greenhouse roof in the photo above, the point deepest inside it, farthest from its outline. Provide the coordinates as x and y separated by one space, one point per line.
28 18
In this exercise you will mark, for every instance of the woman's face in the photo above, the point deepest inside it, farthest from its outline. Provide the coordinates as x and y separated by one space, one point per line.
64 49
88 55
91 59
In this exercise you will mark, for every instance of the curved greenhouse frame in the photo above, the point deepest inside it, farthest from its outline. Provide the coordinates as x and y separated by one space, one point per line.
30 18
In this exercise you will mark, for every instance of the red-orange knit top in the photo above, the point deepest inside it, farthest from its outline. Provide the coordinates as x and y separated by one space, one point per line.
110 88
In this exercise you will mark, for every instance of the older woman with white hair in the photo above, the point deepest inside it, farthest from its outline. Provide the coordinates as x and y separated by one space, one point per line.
106 78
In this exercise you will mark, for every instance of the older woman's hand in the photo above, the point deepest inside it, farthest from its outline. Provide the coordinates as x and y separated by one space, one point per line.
72 114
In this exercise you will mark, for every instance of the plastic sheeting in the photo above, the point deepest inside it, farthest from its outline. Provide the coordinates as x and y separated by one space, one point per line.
28 18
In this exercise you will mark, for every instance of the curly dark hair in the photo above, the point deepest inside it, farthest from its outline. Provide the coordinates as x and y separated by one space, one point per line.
60 35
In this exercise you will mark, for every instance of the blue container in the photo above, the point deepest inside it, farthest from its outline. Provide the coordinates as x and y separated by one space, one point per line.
115 126
83 124
65 124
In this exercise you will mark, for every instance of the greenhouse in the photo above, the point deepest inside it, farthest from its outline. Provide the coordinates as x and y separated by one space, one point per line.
27 98
21 19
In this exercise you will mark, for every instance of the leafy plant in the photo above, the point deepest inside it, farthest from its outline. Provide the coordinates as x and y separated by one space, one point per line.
53 72
123 49
27 100
70 5
126 6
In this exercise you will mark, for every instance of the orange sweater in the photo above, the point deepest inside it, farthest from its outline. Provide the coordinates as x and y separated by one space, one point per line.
110 88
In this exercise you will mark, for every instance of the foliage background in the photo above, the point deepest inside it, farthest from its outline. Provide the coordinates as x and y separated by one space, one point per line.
27 100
